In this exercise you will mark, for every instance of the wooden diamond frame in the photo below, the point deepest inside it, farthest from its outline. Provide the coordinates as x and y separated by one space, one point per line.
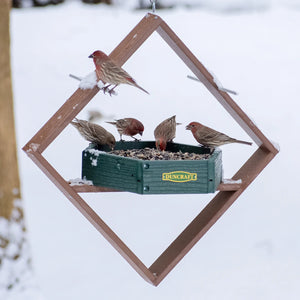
227 194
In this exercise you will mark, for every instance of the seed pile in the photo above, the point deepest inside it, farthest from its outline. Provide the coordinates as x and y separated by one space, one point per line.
153 154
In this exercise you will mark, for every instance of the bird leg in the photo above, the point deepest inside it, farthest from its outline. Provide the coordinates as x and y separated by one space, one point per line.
105 88
211 150
136 139
111 91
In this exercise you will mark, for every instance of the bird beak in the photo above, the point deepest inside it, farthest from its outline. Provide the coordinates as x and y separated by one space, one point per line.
141 133
188 127
91 56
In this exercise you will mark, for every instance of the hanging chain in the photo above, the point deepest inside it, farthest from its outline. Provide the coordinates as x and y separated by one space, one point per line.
153 2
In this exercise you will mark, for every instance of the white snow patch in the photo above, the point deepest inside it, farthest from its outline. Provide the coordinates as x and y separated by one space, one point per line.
89 81
34 147
94 152
17 281
79 181
232 181
220 86
94 162
100 84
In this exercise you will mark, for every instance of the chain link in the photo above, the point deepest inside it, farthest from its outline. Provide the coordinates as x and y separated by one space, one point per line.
153 2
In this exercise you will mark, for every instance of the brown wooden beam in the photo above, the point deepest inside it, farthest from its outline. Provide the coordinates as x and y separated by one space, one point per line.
208 216
207 79
84 188
138 35
91 216
56 124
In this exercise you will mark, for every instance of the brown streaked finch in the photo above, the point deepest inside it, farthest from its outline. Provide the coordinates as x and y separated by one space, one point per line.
128 126
209 137
94 133
165 132
110 73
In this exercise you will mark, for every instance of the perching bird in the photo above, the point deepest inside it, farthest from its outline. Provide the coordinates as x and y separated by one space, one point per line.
128 126
108 72
165 132
209 137
94 133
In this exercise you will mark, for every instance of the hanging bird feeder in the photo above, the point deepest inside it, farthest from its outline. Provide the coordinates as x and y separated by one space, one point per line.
229 190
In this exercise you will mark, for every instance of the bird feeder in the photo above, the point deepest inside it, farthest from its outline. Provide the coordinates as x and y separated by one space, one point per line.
222 200
153 176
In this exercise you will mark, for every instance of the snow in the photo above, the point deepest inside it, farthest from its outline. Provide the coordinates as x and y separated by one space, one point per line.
17 280
253 251
231 181
94 152
79 181
89 81
220 86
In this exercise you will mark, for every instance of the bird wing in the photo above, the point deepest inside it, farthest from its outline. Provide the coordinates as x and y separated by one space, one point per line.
90 131
123 123
115 74
214 137
166 130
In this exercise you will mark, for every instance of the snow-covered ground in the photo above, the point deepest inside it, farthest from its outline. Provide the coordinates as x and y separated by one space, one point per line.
253 251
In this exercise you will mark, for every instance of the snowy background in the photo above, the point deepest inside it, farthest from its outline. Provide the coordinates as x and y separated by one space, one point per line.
253 251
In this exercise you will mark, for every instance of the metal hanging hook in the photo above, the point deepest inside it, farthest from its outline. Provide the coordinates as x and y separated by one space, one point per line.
153 2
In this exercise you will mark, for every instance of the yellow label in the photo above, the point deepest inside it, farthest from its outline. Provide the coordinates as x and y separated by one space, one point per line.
179 176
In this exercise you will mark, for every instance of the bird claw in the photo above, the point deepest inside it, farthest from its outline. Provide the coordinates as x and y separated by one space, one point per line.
112 92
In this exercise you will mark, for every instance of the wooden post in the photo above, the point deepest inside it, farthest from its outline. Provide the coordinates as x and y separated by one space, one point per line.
9 173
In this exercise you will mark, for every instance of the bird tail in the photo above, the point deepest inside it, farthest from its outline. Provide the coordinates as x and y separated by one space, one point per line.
243 142
113 123
75 122
141 89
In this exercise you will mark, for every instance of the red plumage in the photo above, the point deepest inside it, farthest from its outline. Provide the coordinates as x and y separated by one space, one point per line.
129 127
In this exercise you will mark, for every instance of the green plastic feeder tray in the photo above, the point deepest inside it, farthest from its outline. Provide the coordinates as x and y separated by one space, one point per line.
152 177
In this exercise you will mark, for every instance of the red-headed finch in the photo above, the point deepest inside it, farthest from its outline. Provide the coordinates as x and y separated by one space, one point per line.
109 72
94 133
165 132
128 126
209 137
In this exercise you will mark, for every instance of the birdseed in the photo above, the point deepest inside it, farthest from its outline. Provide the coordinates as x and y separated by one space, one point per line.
153 154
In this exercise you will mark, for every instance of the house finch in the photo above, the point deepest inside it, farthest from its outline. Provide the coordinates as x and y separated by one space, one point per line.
94 133
108 72
128 126
165 132
209 137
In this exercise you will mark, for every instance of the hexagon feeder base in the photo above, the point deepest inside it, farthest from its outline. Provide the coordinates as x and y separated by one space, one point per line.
153 177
